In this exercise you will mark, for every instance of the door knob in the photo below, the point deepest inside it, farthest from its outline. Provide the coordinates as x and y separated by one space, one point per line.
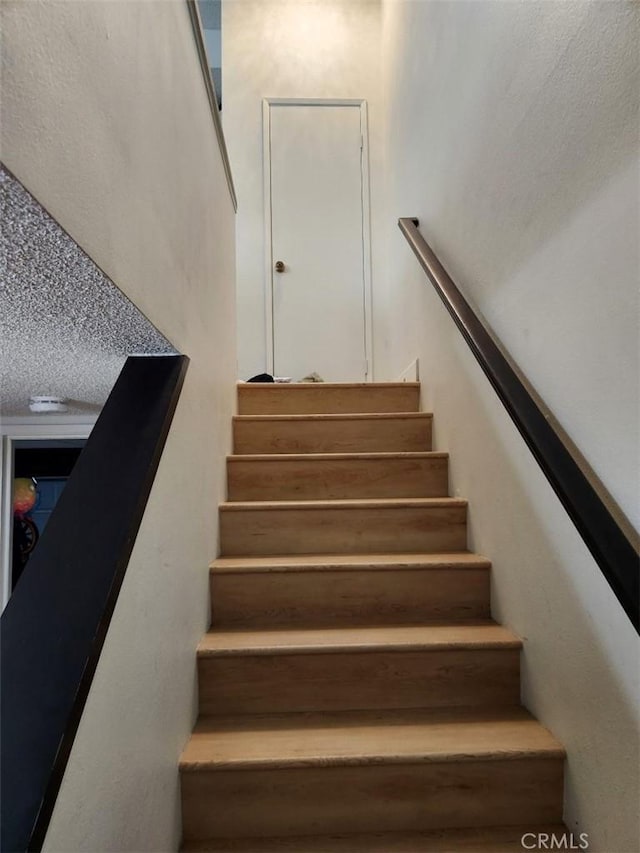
279 266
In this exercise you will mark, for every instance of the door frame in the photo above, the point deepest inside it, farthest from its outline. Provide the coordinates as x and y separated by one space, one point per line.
10 434
361 103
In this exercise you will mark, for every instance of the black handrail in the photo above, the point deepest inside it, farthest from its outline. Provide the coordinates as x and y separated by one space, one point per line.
55 623
612 549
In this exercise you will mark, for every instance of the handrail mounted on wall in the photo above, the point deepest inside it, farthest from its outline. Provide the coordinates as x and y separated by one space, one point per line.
610 546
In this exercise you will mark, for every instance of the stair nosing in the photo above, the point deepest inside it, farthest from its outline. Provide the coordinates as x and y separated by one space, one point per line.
341 416
211 765
364 385
362 649
510 642
345 503
382 456
423 750
273 566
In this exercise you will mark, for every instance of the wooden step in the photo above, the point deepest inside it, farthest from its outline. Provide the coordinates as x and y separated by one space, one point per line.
369 772
256 398
368 433
269 671
485 840
343 526
374 589
316 476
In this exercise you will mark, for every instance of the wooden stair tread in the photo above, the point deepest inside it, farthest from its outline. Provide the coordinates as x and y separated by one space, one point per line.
349 703
385 638
343 416
348 562
324 457
483 840
290 386
366 738
345 503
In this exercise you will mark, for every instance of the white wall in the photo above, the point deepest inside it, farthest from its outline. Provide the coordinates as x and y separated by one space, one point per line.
512 136
288 49
106 121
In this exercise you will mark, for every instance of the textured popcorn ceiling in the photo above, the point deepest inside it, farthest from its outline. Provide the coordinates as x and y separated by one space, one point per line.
65 328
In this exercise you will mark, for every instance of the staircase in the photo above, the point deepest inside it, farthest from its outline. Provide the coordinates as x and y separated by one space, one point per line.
355 695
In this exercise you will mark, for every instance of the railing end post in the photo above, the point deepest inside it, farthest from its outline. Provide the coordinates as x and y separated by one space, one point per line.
404 220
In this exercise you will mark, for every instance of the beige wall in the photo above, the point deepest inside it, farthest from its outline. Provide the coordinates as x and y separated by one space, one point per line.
105 120
289 49
521 162
512 135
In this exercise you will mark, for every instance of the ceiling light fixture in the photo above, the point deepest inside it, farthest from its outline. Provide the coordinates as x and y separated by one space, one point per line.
48 403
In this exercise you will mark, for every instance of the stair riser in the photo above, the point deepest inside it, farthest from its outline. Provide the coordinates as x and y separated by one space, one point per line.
320 479
255 684
358 435
359 597
342 530
300 801
316 399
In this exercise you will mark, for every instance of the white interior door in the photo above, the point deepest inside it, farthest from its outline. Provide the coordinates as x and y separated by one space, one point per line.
318 233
